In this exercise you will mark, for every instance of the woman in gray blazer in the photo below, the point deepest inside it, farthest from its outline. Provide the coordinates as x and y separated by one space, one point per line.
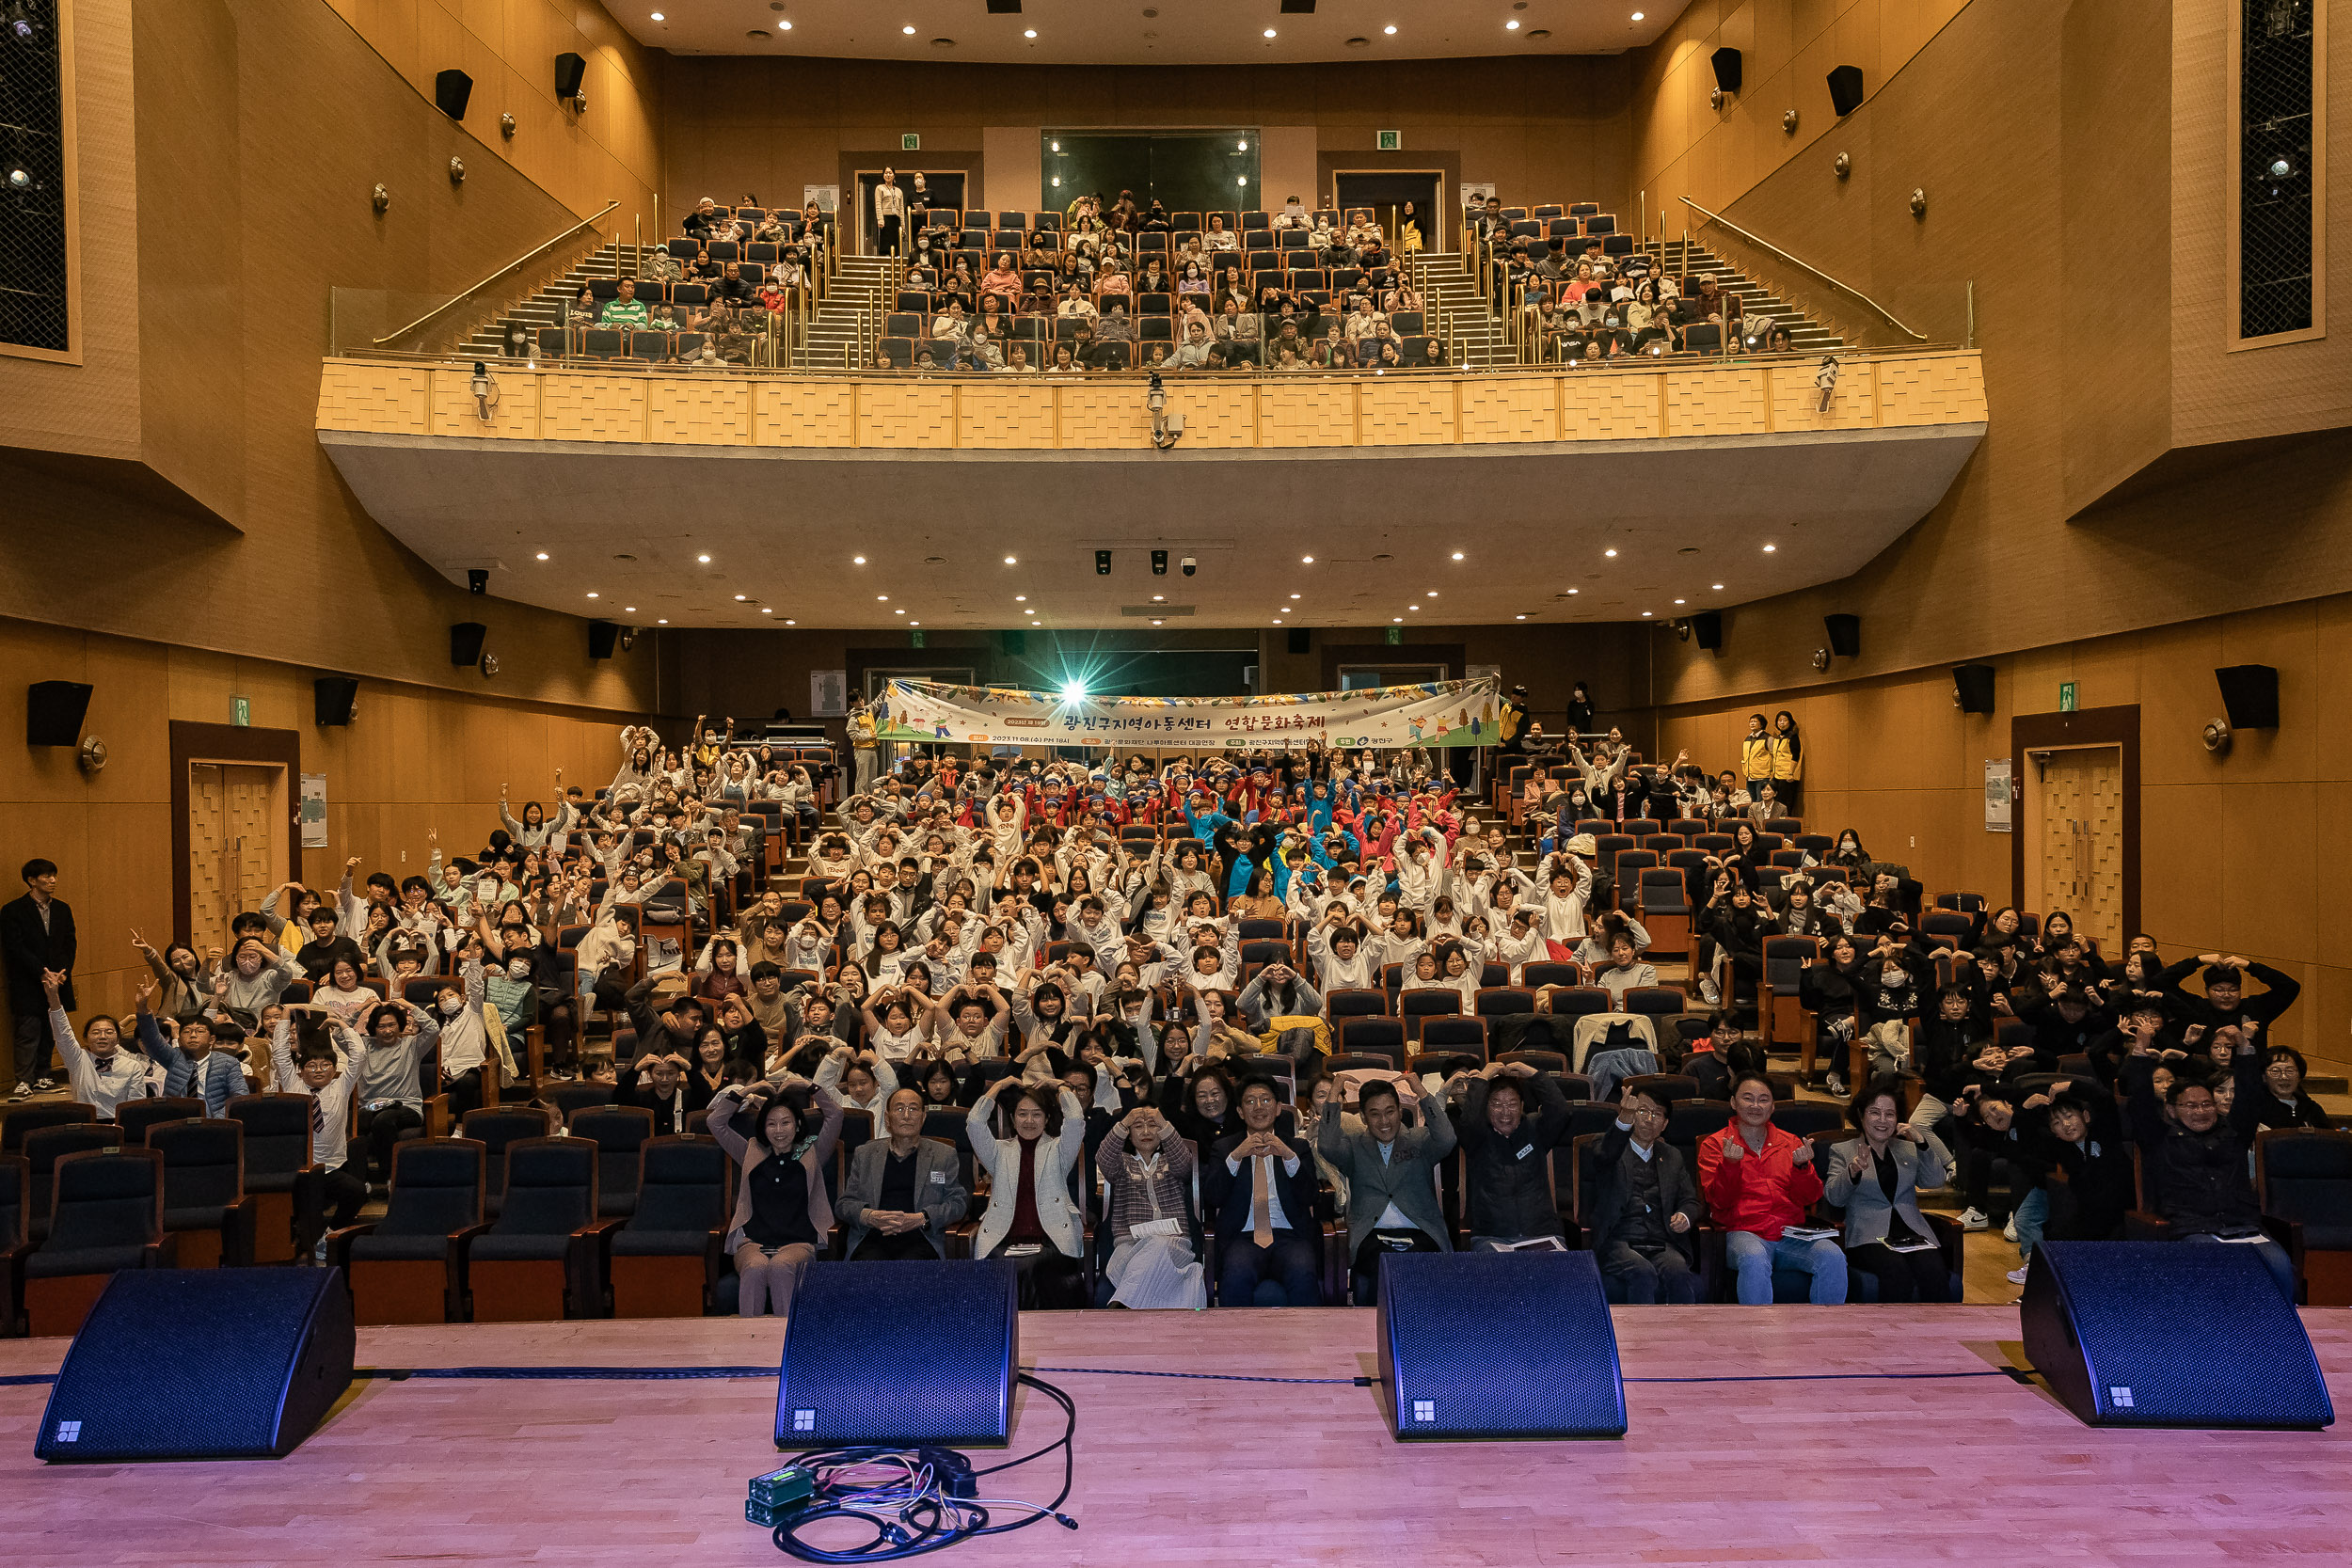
903 1190
1875 1176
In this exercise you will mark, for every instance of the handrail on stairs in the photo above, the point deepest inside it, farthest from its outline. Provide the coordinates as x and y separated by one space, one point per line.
1835 283
465 295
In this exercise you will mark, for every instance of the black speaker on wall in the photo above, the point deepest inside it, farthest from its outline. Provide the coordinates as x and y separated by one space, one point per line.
1727 63
2106 1324
451 90
1298 640
1973 685
921 1353
1845 634
53 711
2249 693
602 635
570 71
1707 629
1845 90
464 643
137 1385
333 697
1440 1372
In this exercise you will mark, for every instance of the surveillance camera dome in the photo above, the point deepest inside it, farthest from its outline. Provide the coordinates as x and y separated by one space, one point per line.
1189 564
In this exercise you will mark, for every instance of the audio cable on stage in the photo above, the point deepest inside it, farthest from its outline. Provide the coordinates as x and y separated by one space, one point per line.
917 1499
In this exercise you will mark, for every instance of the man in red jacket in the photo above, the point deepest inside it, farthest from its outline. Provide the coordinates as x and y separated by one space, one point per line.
1759 1180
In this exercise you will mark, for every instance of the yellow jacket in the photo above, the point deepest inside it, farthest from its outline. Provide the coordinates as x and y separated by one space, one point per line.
1788 759
1755 758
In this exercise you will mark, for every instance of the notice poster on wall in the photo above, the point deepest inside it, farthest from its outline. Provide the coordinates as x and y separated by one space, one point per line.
1997 798
314 811
828 198
828 693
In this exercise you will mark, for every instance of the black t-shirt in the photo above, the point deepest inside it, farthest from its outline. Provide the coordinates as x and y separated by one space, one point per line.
898 1188
780 1203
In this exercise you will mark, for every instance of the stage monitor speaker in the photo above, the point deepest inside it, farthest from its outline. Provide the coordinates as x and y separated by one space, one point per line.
1727 63
570 71
451 89
1972 684
602 635
2249 692
138 1384
1845 90
1297 643
916 1352
1497 1345
1845 635
1707 629
334 696
464 643
2111 1325
53 711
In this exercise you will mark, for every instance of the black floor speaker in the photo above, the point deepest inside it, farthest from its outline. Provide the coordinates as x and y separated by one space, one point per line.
2169 1333
1498 1345
899 1354
200 1364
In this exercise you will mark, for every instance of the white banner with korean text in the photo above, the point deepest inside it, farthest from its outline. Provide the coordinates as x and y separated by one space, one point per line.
1434 713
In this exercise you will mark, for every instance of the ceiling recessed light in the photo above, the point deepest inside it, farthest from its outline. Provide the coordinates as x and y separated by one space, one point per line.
1155 622
629 610
765 610
1609 553
881 598
1719 588
910 32
1390 28
1518 617
704 559
1576 591
1029 612
857 561
790 621
787 26
1414 608
1645 615
1770 548
1306 560
1011 561
915 622
1269 32
1397 620
1031 32
595 595
1021 598
1510 26
659 17
542 555
1158 598
1637 16
740 597
1457 555
663 621
1680 601
1429 593
898 612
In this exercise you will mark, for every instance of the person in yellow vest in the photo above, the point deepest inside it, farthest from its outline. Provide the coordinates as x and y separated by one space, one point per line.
1756 753
862 745
1787 755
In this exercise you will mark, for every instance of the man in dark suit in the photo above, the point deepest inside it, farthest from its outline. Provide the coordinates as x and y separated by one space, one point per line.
1262 1187
36 934
1647 1213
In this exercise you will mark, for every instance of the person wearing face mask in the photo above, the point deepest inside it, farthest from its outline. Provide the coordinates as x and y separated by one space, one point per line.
465 1043
257 973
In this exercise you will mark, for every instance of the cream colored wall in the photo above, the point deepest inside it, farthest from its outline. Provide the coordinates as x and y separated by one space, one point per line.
413 760
1684 147
509 47
2234 850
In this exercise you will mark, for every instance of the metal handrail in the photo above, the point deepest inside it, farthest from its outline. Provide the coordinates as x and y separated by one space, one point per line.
1834 283
468 293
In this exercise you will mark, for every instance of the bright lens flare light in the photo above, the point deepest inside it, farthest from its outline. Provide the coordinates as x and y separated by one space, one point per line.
1074 691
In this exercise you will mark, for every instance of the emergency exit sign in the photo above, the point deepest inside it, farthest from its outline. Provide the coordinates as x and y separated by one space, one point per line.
1391 141
239 711
1396 634
915 639
2066 696
909 143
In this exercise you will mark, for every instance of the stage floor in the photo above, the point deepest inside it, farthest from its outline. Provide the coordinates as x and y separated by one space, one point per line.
1802 1460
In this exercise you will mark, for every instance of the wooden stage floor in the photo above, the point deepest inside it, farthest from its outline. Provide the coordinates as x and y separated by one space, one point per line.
1805 1462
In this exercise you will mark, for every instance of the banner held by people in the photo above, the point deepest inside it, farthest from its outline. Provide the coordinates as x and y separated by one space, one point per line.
1432 713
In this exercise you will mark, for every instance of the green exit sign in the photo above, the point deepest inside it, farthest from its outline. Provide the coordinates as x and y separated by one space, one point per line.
909 143
1391 141
2066 696
915 639
239 711
1396 634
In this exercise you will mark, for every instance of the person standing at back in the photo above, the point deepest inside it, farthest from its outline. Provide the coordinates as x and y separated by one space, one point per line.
36 939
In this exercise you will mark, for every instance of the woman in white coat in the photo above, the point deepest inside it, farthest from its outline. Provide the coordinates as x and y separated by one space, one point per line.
1032 1217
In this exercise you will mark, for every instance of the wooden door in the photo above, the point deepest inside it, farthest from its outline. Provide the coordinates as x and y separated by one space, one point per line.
2079 802
233 850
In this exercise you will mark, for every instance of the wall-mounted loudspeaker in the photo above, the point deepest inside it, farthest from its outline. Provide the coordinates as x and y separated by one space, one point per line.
1845 90
1707 627
53 711
1727 64
451 89
1845 635
570 71
464 643
602 635
334 696
1973 685
2251 693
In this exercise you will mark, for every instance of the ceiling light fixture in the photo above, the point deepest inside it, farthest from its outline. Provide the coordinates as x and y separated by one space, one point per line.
542 555
1510 26
1028 32
740 597
898 612
1518 617
1457 555
1159 599
1390 28
1019 598
1637 16
787 28
1269 32
1719 588
1680 601
1646 615
1770 548
765 610
790 621
1294 595
1576 591
1611 554
595 595
881 598
910 32
1305 561
1010 561
629 610
704 559
1155 622
663 621
659 17
857 561
1397 620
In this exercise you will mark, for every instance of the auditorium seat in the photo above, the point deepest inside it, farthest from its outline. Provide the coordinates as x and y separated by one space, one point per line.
1580 1000
1454 1032
16 1192
1663 898
1781 1017
107 1213
25 1119
206 1207
281 1174
571 1098
1346 1003
619 1132
409 1267
497 1128
668 1257
1414 1006
1502 1001
134 1116
2303 1181
543 1258
45 1146
1379 1037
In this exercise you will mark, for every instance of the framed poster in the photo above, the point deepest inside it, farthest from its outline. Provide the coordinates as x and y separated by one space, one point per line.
828 693
314 811
1475 194
828 198
1998 794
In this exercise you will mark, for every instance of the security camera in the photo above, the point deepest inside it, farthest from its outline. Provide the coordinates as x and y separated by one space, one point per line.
477 580
1188 563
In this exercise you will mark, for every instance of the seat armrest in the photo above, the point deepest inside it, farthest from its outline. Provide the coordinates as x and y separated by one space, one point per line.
238 1225
339 1243
161 1254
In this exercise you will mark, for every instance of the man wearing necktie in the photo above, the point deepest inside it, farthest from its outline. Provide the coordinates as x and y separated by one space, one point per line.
1262 1187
